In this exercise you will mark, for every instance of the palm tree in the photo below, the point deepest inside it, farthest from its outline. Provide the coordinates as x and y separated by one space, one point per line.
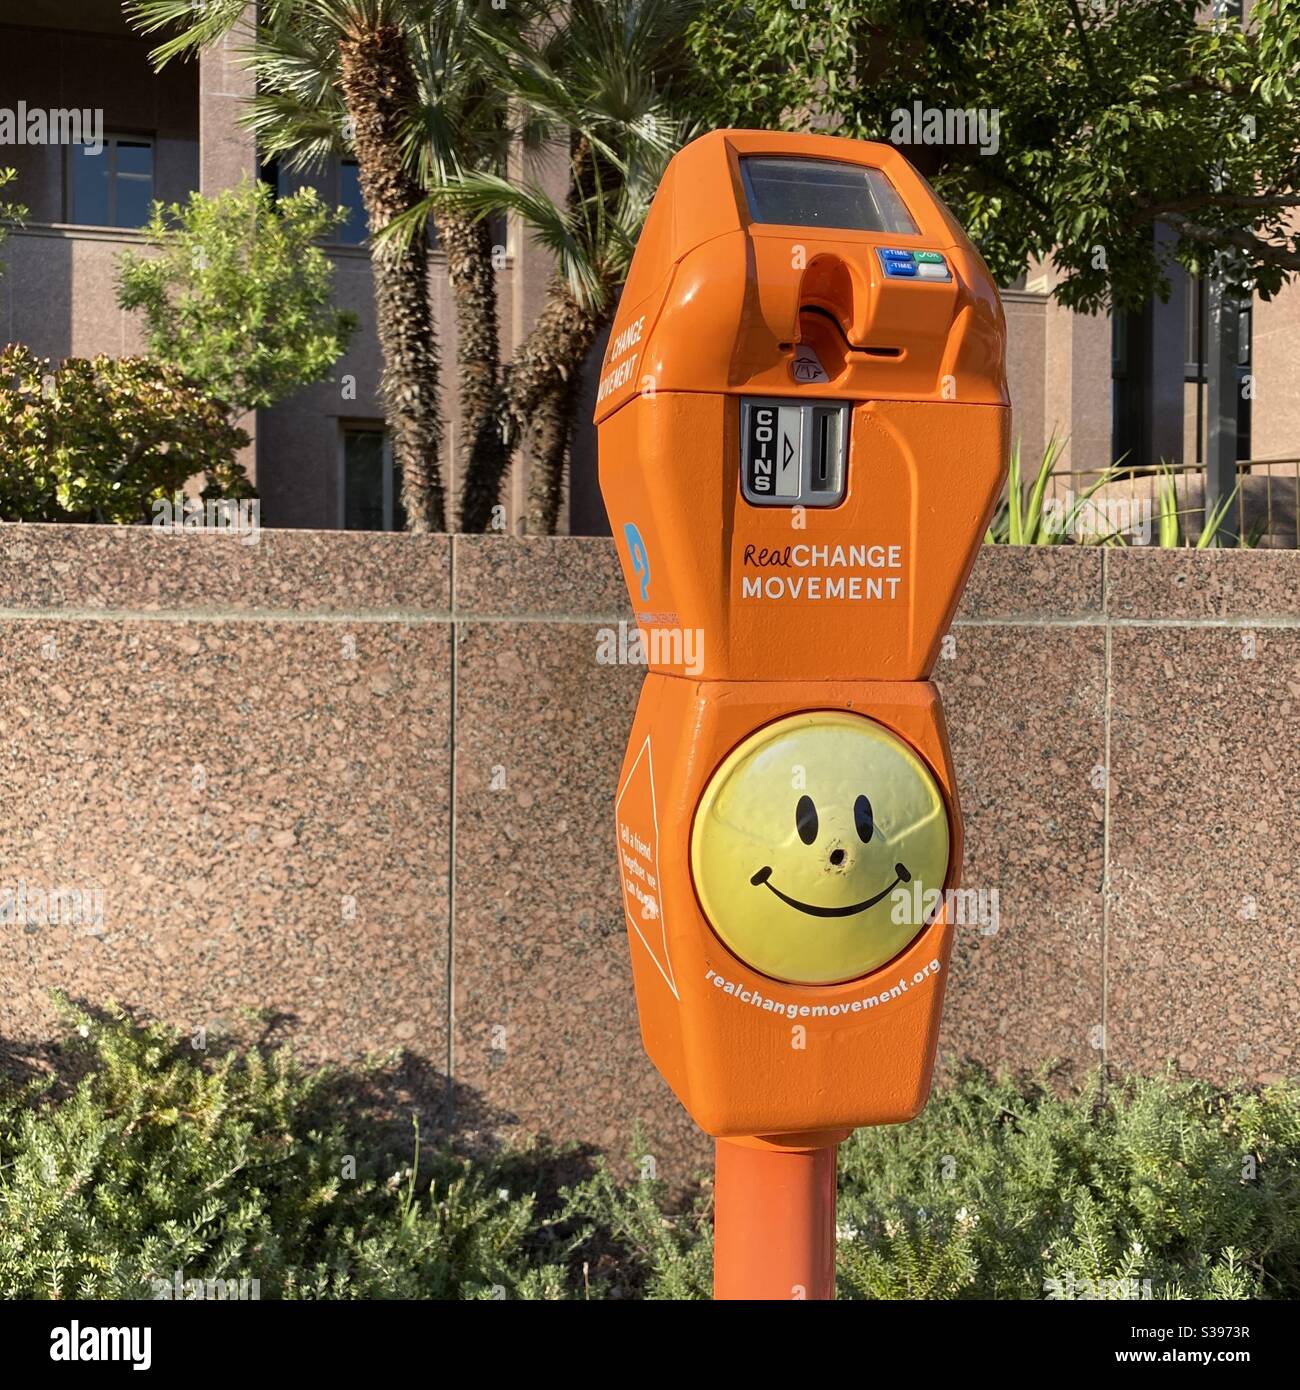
605 77
457 122
464 127
312 55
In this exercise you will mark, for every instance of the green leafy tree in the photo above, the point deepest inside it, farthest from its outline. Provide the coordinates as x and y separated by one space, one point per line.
100 439
1112 117
370 43
9 212
238 295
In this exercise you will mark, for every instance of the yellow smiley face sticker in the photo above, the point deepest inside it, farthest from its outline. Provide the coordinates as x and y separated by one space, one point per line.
813 844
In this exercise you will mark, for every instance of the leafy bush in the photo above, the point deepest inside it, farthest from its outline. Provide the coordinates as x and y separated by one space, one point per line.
996 1189
239 1169
138 1159
237 293
100 439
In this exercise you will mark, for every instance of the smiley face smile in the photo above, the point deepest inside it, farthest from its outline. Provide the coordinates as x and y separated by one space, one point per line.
764 878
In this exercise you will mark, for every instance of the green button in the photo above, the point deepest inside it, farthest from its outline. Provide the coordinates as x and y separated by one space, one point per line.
927 256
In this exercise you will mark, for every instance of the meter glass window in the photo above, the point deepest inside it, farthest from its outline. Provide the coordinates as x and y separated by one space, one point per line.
823 193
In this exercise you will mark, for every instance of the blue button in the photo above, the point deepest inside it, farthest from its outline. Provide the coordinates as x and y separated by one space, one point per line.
900 268
892 254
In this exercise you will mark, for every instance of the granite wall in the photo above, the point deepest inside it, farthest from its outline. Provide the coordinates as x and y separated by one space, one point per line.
364 783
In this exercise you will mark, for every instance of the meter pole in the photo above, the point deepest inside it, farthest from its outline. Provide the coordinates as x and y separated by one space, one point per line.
774 1219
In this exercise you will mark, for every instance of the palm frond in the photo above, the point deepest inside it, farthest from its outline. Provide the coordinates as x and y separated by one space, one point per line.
196 26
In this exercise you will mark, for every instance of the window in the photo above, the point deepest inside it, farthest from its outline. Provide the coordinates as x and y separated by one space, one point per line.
112 187
338 184
355 230
1194 306
1122 405
823 193
370 494
1244 357
1198 342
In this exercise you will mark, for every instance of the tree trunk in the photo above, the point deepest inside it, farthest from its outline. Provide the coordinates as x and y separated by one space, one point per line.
483 451
549 438
379 87
541 391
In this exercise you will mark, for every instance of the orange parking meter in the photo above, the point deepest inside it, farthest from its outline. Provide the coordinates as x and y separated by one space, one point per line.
803 431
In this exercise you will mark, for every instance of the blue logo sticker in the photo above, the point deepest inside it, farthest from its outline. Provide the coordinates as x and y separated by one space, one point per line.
637 555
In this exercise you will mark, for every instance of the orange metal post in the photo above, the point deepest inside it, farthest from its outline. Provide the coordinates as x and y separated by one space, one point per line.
774 1222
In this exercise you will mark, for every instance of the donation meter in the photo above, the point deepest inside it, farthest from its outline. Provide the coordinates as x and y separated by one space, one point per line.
803 427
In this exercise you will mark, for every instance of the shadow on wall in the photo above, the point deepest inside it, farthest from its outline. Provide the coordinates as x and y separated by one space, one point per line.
375 1102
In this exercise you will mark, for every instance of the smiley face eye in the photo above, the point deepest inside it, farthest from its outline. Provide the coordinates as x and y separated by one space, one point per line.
863 819
805 819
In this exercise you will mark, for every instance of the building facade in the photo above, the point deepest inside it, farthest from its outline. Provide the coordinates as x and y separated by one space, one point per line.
319 459
1131 386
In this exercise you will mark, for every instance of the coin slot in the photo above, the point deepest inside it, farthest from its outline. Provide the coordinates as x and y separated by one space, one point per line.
813 319
827 462
793 452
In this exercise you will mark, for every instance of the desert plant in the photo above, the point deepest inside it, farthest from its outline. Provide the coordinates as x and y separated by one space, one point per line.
1029 518
1170 532
1171 527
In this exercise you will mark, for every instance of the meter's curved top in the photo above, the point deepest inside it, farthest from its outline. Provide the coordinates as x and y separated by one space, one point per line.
762 248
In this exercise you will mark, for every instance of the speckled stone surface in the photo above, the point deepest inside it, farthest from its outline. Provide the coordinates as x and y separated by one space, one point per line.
553 576
1171 584
140 569
264 807
1204 959
1033 582
1027 977
257 773
545 1020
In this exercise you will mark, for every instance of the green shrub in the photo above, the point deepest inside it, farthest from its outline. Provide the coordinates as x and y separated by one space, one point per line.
140 1157
239 1169
100 439
997 1188
236 292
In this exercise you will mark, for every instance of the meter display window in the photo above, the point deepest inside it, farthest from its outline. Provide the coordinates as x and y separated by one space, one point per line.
823 193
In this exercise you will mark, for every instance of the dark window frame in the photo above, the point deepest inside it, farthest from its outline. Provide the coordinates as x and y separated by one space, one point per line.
112 139
390 504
